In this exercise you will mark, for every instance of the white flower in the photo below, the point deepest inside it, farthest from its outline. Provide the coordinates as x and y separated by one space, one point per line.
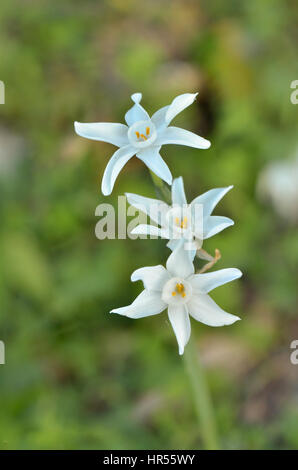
143 136
182 220
182 292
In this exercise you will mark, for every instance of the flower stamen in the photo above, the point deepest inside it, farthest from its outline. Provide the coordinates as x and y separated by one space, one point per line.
179 289
184 222
181 223
143 136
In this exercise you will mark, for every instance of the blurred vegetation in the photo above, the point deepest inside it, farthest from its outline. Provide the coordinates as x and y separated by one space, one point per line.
76 377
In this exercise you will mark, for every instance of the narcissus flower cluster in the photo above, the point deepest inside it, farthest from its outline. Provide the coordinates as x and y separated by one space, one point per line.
176 287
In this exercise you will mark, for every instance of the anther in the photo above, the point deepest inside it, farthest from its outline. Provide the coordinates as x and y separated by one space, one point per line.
147 130
180 288
184 223
137 134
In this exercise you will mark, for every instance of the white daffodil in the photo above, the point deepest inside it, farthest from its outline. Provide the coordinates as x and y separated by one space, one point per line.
192 222
143 136
182 292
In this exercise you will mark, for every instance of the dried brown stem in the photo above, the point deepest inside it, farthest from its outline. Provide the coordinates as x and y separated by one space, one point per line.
212 259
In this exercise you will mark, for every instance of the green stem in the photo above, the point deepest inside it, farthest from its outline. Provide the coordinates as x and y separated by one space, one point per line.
161 188
203 403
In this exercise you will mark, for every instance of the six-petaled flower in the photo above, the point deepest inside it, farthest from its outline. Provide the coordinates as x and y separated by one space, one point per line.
181 291
192 222
142 136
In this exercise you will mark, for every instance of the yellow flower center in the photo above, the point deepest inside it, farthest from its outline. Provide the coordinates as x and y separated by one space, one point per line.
181 223
143 136
179 289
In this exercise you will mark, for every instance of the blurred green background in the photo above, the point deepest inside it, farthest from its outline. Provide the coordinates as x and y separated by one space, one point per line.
75 376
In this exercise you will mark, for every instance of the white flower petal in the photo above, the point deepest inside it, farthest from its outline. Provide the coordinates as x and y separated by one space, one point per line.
146 304
191 252
178 193
153 277
179 104
204 283
150 156
215 224
110 132
159 118
114 166
154 208
191 247
137 112
210 199
172 244
152 230
203 309
179 263
180 322
178 136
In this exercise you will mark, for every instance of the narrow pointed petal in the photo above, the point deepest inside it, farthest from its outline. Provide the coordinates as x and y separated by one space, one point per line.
178 193
179 104
203 309
215 224
180 322
114 166
210 199
154 208
146 304
137 112
179 262
151 230
159 118
110 132
204 283
178 136
152 159
153 277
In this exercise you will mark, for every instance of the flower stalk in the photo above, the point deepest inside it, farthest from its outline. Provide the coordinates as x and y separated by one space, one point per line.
160 188
202 399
